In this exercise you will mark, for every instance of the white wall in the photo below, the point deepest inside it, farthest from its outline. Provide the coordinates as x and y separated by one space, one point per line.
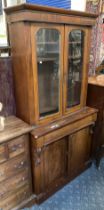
3 38
14 2
75 5
78 5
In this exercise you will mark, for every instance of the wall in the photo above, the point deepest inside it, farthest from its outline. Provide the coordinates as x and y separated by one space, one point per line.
78 5
3 38
94 6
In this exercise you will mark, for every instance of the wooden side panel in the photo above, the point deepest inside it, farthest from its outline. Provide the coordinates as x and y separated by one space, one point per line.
37 165
20 42
79 151
95 98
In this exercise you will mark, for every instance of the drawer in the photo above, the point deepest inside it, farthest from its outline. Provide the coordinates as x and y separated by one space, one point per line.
12 167
69 129
12 184
16 198
3 153
16 146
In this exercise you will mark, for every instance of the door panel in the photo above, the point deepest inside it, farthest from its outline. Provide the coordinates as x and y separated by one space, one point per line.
55 162
79 151
47 43
75 66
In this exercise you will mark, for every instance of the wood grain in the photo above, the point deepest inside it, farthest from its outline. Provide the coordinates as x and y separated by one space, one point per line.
68 120
14 127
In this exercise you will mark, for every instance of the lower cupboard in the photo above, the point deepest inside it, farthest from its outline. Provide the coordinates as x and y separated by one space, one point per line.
56 160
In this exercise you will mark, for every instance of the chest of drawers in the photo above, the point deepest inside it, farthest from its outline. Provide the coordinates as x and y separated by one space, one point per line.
15 170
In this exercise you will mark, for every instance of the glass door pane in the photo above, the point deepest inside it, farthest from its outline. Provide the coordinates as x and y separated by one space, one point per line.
48 57
75 67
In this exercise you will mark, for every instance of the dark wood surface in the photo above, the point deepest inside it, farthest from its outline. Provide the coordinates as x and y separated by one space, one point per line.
95 99
79 155
75 117
47 9
6 85
29 13
61 155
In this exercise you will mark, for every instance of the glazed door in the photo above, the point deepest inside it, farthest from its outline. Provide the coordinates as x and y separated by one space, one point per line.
75 68
79 151
47 57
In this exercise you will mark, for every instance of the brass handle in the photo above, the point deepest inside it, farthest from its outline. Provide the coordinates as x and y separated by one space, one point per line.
2 194
15 147
20 165
2 173
54 126
37 162
38 150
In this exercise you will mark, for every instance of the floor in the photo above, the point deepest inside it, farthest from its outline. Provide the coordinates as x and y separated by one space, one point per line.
84 193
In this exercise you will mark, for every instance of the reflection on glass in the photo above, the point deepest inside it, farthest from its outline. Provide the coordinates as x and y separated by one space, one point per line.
75 66
48 70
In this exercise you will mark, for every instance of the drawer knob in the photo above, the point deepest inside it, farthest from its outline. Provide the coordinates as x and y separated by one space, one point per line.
2 194
39 150
1 173
23 178
25 193
37 162
18 166
54 126
15 147
20 145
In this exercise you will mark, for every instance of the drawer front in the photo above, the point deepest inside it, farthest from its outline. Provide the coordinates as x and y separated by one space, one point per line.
12 167
67 130
3 153
13 184
16 198
17 146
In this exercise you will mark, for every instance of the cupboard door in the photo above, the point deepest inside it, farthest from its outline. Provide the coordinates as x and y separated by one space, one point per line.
75 74
47 44
55 162
48 165
79 151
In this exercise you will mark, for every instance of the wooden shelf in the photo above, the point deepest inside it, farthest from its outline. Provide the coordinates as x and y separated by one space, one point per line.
75 42
38 43
46 59
74 58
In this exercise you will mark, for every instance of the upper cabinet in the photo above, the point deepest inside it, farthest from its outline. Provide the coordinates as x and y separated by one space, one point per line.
50 50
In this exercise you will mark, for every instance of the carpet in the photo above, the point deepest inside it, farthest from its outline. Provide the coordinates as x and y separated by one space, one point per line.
86 192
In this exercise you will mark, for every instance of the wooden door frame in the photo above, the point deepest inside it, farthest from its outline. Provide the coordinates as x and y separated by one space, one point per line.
34 29
68 29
